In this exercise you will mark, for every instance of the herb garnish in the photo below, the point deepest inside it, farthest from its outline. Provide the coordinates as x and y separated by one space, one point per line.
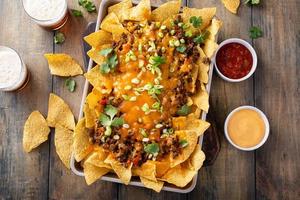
76 13
59 38
201 37
196 21
70 84
255 32
183 143
184 110
111 60
88 5
181 49
252 2
152 148
108 119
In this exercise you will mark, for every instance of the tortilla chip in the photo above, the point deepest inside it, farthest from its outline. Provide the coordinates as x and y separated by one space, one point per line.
190 123
194 73
205 13
35 131
156 186
209 47
97 158
59 113
214 28
203 63
94 54
62 65
102 83
121 9
201 100
98 38
161 167
63 140
92 173
112 24
123 173
165 11
147 170
140 12
81 144
90 116
231 5
196 159
192 139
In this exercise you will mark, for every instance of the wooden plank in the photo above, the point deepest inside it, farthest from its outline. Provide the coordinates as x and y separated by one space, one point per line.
277 94
22 175
232 174
63 184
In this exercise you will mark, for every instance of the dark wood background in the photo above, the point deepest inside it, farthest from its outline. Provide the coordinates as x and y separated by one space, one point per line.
272 172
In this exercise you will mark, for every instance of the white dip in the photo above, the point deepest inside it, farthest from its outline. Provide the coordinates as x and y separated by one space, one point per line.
10 67
44 9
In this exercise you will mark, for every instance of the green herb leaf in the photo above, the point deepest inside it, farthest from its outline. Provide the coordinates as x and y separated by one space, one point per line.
59 38
181 49
90 7
104 120
118 121
151 148
105 52
255 32
156 60
183 143
70 84
201 38
113 61
110 111
196 21
252 2
76 13
104 68
184 110
143 132
82 2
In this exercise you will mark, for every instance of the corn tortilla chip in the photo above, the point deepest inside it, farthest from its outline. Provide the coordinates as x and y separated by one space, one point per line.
123 173
205 13
63 140
121 9
165 11
63 65
92 173
214 29
140 12
162 167
98 38
231 5
59 113
201 100
190 123
90 116
81 144
112 24
156 186
102 83
203 63
94 53
147 170
97 158
35 131
209 47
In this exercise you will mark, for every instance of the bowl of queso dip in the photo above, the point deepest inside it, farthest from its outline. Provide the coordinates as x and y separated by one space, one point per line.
235 60
246 128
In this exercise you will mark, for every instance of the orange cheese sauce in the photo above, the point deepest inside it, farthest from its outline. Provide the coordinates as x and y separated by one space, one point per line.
246 128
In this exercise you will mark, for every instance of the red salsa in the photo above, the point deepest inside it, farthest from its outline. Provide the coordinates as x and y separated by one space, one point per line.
234 60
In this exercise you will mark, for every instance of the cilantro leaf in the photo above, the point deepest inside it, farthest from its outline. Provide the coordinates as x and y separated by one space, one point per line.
71 84
104 120
118 121
183 143
201 37
110 111
113 60
90 7
181 49
255 32
184 110
196 21
104 68
76 13
105 52
59 38
151 148
82 2
156 60
252 2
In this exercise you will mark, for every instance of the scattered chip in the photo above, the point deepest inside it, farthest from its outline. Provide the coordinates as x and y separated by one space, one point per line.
59 113
165 11
63 139
98 38
81 144
100 82
231 5
92 173
63 65
147 170
35 131
156 186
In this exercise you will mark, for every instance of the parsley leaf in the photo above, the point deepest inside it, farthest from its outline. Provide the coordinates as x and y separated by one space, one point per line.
104 120
252 2
110 111
181 49
118 121
59 38
105 52
151 148
71 84
255 32
76 13
113 60
183 143
201 38
196 21
184 110
88 5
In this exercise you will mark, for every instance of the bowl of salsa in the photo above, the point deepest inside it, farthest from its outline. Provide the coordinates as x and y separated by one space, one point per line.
235 60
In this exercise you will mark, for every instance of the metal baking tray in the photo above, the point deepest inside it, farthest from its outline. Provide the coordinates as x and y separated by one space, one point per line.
111 177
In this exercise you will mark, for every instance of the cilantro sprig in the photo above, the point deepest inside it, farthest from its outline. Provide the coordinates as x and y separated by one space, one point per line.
76 13
201 37
196 21
252 2
111 60
59 38
255 32
184 110
70 84
108 119
88 5
152 148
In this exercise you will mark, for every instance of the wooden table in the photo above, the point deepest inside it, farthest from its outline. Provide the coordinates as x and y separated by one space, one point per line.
272 172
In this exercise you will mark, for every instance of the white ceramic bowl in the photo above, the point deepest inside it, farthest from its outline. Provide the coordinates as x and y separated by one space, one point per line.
249 47
264 118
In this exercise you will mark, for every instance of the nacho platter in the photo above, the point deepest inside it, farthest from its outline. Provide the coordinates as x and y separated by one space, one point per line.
111 176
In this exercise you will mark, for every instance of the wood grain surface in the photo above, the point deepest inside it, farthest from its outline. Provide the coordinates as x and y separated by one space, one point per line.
272 172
